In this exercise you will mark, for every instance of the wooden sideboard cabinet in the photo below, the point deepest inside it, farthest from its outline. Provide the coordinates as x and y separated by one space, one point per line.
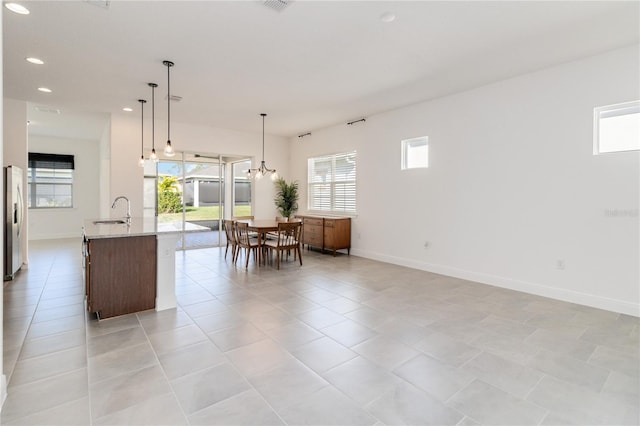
327 233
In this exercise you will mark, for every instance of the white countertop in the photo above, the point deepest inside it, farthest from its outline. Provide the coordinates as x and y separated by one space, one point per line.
139 226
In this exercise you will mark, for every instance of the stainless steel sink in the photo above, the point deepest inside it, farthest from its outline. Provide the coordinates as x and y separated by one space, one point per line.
109 222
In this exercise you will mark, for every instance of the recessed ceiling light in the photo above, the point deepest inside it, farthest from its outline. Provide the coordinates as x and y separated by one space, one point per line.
44 89
127 109
388 17
35 61
17 8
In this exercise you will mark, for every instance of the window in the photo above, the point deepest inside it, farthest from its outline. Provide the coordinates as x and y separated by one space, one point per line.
415 153
617 128
332 183
50 180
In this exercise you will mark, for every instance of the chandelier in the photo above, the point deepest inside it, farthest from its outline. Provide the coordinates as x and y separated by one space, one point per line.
262 170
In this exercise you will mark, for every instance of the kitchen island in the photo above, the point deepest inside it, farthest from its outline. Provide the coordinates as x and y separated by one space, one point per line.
130 265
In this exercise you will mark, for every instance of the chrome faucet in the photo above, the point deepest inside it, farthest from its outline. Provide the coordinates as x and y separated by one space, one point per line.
113 206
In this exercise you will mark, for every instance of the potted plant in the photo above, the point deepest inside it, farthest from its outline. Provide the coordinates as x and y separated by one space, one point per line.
286 197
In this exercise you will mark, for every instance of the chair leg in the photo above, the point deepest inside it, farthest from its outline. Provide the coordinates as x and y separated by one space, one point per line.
299 255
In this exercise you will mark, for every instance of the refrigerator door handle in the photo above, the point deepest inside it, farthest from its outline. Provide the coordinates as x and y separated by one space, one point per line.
19 211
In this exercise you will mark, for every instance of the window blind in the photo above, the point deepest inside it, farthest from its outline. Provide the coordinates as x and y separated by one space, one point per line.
332 183
50 180
39 160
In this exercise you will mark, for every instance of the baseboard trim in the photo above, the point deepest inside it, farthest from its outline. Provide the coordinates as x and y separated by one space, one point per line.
570 296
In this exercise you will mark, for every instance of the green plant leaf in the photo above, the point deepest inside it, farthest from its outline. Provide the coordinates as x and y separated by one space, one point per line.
286 200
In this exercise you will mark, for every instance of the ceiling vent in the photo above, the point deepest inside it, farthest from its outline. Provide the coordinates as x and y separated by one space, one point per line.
277 5
100 3
48 110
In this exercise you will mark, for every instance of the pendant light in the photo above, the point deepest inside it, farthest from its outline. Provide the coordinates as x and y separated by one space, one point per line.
263 169
141 161
168 149
153 156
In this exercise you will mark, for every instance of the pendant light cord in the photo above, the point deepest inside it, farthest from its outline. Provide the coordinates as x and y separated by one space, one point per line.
142 102
153 115
168 102
141 161
142 125
154 156
168 149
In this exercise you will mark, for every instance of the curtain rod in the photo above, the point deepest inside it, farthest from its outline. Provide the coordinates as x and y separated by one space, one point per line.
356 121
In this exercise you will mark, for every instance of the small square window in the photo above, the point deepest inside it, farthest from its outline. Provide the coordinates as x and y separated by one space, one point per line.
616 128
415 153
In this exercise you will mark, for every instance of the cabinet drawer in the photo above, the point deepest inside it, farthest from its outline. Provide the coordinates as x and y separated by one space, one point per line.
314 240
329 223
312 235
312 221
313 229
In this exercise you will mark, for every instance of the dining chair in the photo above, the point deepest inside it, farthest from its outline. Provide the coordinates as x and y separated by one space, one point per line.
272 235
245 241
252 234
288 239
229 230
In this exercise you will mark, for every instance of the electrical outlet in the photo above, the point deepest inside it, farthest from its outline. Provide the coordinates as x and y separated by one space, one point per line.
560 264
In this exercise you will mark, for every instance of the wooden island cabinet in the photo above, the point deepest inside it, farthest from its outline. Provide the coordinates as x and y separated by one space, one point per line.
326 232
120 275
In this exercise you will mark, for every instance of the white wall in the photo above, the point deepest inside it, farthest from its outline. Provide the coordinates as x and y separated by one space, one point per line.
105 166
67 223
512 185
126 176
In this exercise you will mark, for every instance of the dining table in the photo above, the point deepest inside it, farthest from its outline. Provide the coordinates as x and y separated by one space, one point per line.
261 227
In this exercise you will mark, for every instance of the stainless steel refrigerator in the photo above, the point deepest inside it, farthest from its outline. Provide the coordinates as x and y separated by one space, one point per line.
13 215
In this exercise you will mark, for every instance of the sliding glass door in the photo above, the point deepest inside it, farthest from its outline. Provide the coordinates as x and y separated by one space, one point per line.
241 190
190 188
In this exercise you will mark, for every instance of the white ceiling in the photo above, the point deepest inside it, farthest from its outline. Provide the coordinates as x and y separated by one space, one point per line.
312 65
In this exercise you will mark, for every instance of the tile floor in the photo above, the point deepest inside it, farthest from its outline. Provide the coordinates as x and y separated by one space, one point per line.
338 341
